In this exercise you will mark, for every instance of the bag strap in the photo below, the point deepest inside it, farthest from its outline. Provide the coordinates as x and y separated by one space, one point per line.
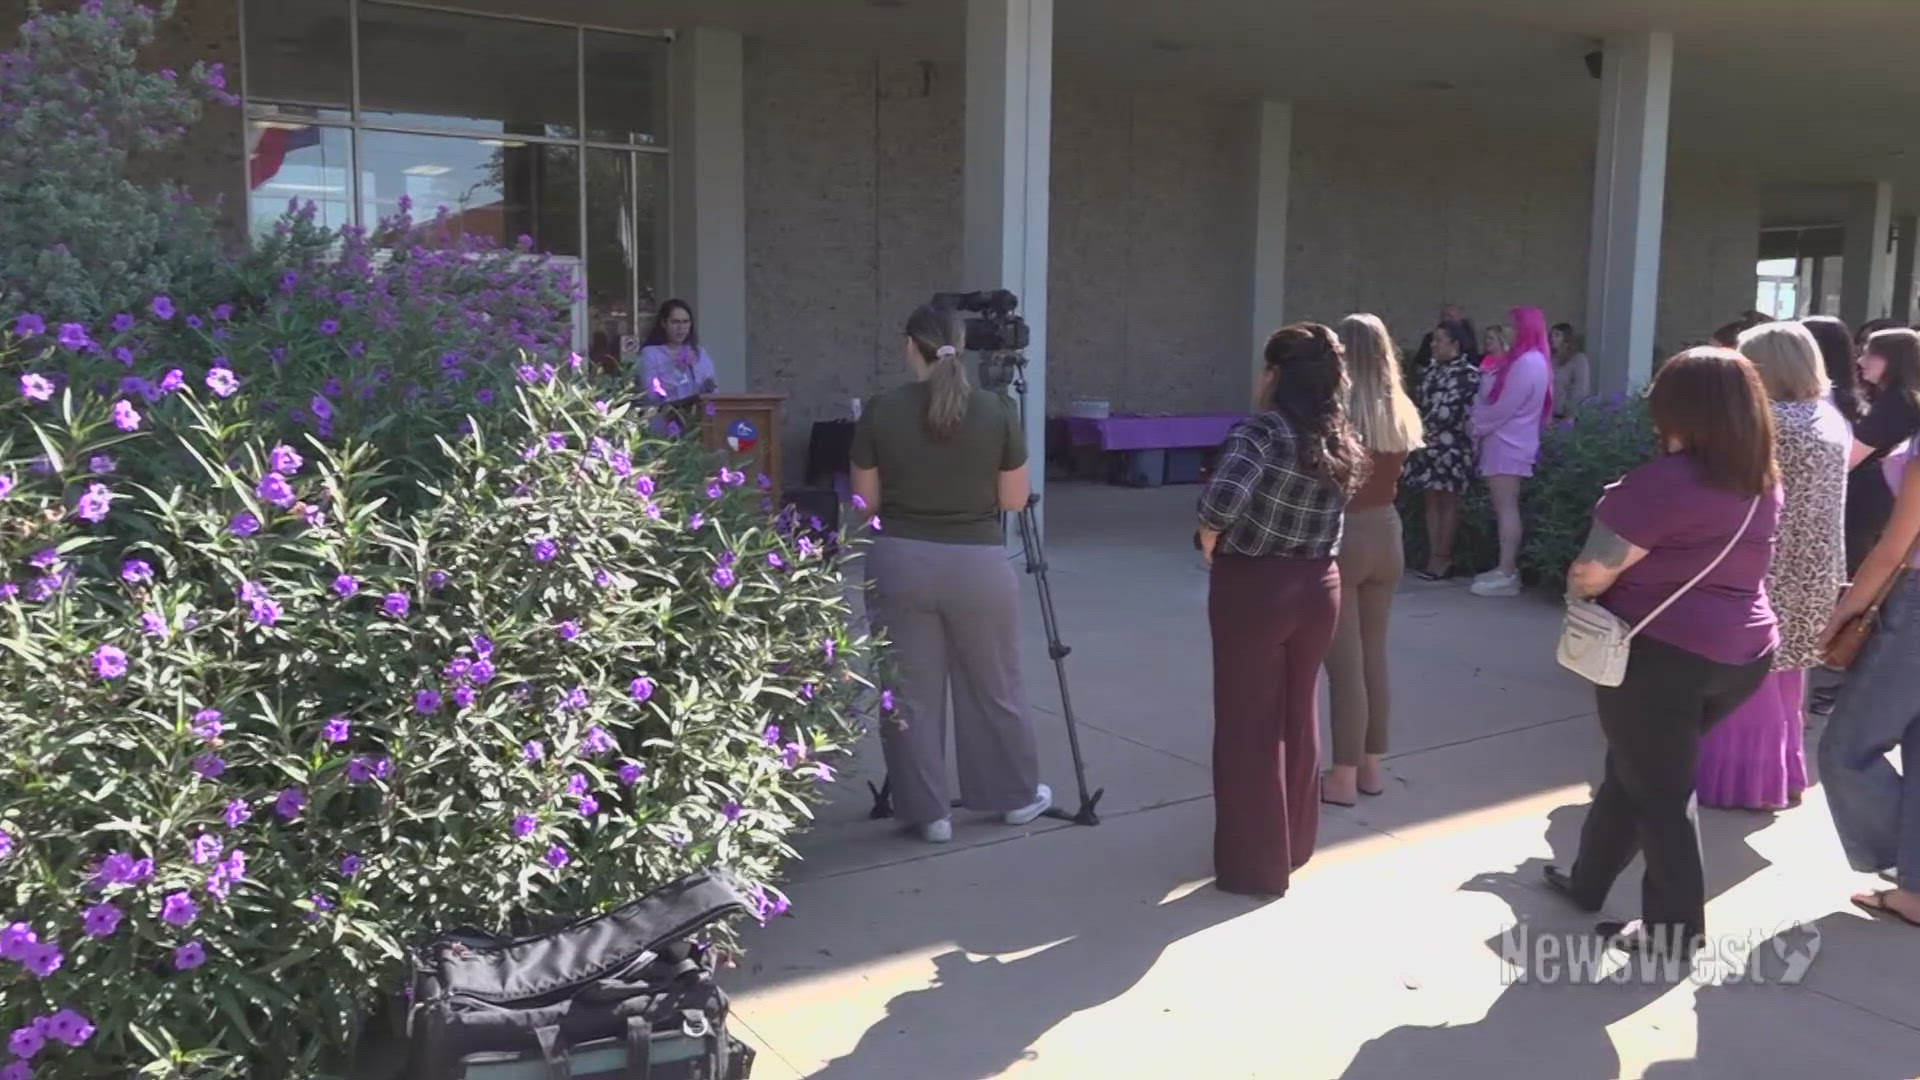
639 1049
1702 575
1886 587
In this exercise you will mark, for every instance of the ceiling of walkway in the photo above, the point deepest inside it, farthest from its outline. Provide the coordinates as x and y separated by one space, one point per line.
1805 91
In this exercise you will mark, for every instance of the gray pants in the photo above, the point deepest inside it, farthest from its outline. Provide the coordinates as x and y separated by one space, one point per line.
951 615
1876 809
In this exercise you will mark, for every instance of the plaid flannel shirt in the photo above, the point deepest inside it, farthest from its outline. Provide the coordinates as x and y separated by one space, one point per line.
1260 504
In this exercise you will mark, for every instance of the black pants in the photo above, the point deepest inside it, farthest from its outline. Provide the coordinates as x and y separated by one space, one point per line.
1653 722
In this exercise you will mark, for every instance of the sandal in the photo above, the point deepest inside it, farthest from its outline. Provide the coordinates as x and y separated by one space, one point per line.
1428 575
1875 903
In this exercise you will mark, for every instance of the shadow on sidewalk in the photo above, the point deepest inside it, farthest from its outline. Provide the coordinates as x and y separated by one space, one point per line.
1555 1023
1000 1008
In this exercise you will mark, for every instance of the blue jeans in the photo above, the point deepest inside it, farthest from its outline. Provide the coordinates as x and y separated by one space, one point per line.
1876 809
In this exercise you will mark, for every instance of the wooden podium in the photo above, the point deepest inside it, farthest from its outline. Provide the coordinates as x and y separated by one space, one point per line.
746 427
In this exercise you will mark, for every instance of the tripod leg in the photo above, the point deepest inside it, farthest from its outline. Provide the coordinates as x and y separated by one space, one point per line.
1058 650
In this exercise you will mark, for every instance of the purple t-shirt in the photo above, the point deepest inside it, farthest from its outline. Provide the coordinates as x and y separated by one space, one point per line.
1663 506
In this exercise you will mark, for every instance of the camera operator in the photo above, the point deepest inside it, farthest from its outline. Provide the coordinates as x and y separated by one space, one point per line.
939 461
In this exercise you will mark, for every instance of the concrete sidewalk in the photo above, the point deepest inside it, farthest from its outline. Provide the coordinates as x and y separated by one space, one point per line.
1062 951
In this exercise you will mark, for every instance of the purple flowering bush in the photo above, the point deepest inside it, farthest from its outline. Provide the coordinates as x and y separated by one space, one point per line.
267 725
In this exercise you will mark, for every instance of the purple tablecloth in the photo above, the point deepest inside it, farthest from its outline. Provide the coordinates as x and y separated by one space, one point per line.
1153 432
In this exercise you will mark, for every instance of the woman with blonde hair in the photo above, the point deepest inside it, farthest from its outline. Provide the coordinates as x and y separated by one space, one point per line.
940 461
1371 560
1755 759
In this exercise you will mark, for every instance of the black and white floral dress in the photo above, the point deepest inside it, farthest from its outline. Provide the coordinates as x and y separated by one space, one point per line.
1447 462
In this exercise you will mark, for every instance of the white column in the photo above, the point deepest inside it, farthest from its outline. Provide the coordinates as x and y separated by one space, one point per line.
1008 153
709 204
1275 169
1866 269
1629 193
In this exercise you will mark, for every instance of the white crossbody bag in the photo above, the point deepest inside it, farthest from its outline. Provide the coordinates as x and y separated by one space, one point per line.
1595 642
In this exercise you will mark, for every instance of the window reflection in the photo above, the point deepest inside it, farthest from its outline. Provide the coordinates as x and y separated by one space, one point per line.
291 161
493 188
625 259
299 52
434 69
626 89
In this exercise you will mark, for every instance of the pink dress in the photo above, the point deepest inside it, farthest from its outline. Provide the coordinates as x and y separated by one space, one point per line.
1508 430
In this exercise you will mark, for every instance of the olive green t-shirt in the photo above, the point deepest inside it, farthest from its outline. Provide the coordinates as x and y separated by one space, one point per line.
943 490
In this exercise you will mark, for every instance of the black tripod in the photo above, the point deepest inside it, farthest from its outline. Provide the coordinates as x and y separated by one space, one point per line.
1012 371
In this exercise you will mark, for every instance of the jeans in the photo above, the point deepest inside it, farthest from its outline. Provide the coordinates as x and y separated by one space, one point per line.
1876 809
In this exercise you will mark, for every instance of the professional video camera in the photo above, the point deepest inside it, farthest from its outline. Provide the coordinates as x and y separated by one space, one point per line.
999 335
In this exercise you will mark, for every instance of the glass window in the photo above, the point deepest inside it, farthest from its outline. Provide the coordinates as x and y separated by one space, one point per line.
496 188
626 89
299 52
288 161
434 69
626 263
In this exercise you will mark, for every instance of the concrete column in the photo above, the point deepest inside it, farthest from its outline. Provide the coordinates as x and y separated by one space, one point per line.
1866 269
1009 137
1903 269
709 203
1274 173
1629 190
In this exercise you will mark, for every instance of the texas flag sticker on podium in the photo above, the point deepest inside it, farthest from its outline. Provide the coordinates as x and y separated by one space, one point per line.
742 436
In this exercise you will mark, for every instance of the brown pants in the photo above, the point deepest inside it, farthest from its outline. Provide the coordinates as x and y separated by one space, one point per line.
951 613
1371 565
1272 621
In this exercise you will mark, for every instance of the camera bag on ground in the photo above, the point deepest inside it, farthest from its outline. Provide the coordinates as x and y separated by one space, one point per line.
620 996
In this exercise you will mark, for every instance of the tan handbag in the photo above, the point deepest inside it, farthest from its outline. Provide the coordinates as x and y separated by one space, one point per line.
1844 650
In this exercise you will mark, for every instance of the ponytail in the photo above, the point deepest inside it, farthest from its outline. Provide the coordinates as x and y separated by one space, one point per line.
938 334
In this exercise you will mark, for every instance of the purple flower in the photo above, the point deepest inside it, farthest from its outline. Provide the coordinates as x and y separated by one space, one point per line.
642 688
329 327
122 323
36 387
25 1042
29 324
173 381
205 848
6 485
886 700
211 766
70 1027
189 956
463 697
95 504
103 464
74 336
291 803
589 806
806 691
124 355
15 940
427 702
577 784
659 390
237 812
351 865
772 735
630 773
119 868
162 307
6 843
362 770
482 645
346 585
285 459
208 724
438 580
732 810
874 523
482 672
545 550
558 857
397 605
244 524
714 491
535 750
222 382
597 741
321 407
774 560
273 488
109 662
823 773
222 312
644 487
101 920
556 441
524 825
337 730
125 417
18 1070
694 522
48 559
576 699
179 909
569 630
792 754
43 959
828 647
859 503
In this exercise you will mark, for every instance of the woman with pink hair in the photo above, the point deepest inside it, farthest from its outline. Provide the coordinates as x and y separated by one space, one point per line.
1514 403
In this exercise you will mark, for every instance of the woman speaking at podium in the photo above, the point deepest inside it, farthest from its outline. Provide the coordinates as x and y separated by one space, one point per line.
672 360
939 461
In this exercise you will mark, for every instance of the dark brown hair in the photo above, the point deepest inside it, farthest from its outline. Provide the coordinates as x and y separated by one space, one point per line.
1900 348
1311 393
657 335
1836 352
1711 401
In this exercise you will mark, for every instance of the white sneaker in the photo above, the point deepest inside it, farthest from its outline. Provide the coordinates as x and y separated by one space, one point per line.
1497 584
1042 802
937 832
